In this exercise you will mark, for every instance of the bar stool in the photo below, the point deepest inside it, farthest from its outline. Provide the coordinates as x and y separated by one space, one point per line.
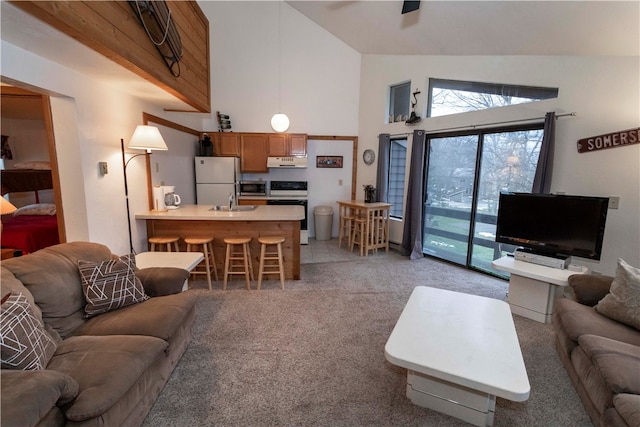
271 268
232 255
346 225
359 232
208 264
165 240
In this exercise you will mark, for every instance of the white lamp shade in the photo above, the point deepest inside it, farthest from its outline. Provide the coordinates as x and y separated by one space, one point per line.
147 138
280 122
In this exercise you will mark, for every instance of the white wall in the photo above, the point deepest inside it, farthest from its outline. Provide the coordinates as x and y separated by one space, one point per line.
603 91
320 74
331 184
320 86
27 139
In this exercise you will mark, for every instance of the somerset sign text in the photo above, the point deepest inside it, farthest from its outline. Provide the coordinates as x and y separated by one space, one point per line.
610 140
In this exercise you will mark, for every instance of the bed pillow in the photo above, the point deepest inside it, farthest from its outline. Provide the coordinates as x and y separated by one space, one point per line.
622 303
35 164
36 209
24 343
110 285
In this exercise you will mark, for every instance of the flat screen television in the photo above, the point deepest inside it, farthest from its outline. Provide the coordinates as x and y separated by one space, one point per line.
553 225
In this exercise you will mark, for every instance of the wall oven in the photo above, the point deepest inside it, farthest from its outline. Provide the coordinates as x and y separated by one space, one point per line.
291 193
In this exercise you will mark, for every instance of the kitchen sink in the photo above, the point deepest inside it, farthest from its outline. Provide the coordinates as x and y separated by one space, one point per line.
236 208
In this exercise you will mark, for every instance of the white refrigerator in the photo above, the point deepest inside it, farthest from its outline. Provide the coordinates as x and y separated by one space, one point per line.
216 178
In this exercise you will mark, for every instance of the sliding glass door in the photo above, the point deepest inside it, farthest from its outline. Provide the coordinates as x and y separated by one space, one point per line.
451 171
465 175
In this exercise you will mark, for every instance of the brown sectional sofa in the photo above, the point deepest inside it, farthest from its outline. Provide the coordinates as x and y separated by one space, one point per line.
601 355
106 370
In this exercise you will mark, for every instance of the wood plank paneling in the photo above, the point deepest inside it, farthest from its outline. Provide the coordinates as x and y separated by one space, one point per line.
112 29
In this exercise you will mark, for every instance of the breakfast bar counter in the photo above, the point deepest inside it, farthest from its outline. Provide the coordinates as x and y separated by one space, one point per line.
220 222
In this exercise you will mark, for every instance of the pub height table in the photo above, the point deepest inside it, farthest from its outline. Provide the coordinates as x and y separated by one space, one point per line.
376 222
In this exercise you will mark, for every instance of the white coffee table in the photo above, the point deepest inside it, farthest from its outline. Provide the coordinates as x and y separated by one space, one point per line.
461 351
185 260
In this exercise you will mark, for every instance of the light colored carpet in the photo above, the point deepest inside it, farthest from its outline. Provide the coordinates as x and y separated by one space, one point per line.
313 355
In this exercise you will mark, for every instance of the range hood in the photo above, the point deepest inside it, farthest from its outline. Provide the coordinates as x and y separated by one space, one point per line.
286 162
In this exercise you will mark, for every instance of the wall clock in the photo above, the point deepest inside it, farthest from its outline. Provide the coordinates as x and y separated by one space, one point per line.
368 156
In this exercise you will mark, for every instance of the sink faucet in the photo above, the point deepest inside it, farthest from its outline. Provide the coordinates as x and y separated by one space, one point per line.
231 200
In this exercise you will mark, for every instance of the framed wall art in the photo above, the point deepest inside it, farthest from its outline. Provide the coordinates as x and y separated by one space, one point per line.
328 161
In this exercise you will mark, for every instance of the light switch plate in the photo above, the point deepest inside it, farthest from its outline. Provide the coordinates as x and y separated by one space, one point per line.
104 168
614 202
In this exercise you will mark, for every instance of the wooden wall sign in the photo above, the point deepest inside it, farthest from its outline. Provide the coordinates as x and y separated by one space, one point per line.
609 140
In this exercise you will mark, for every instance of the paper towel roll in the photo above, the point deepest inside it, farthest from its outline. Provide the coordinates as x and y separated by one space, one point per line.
158 198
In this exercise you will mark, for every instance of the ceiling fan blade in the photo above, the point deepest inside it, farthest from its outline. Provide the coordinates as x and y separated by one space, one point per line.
410 6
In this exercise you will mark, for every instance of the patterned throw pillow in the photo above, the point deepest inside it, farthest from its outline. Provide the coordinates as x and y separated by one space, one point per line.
622 303
23 341
110 285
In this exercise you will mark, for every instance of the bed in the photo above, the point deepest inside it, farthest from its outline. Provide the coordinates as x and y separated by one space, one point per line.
29 232
31 227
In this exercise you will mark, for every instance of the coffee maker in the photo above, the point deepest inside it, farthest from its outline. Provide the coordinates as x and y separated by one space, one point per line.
164 197
171 199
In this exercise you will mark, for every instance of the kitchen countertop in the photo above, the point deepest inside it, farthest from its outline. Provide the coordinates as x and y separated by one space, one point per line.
203 212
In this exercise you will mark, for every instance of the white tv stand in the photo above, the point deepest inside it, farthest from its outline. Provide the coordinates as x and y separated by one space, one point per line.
533 288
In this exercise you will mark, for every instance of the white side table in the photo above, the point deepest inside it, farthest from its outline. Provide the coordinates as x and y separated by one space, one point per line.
185 260
533 288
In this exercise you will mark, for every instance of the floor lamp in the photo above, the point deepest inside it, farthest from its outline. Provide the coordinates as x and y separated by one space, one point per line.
146 138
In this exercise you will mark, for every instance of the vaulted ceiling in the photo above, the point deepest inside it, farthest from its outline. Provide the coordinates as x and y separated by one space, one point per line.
509 27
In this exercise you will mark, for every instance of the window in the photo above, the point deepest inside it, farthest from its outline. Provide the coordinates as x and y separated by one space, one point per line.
397 167
399 102
454 96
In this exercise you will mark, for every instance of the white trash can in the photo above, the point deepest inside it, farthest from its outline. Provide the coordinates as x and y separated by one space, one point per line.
323 217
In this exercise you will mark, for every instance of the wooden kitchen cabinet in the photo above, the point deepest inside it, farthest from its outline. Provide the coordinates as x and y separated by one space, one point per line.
277 145
298 144
226 144
254 150
286 145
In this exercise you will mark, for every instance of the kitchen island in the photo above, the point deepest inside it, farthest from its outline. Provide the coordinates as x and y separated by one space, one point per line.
264 220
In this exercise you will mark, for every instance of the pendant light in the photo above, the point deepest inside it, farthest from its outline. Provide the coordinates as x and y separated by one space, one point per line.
280 121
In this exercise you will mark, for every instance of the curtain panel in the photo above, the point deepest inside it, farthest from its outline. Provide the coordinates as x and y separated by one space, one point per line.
544 168
412 232
382 178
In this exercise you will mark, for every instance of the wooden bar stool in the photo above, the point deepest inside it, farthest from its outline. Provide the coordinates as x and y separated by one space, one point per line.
358 235
208 264
346 225
271 268
168 240
244 255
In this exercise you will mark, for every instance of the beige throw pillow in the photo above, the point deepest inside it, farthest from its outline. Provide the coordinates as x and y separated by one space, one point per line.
622 303
24 342
110 285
